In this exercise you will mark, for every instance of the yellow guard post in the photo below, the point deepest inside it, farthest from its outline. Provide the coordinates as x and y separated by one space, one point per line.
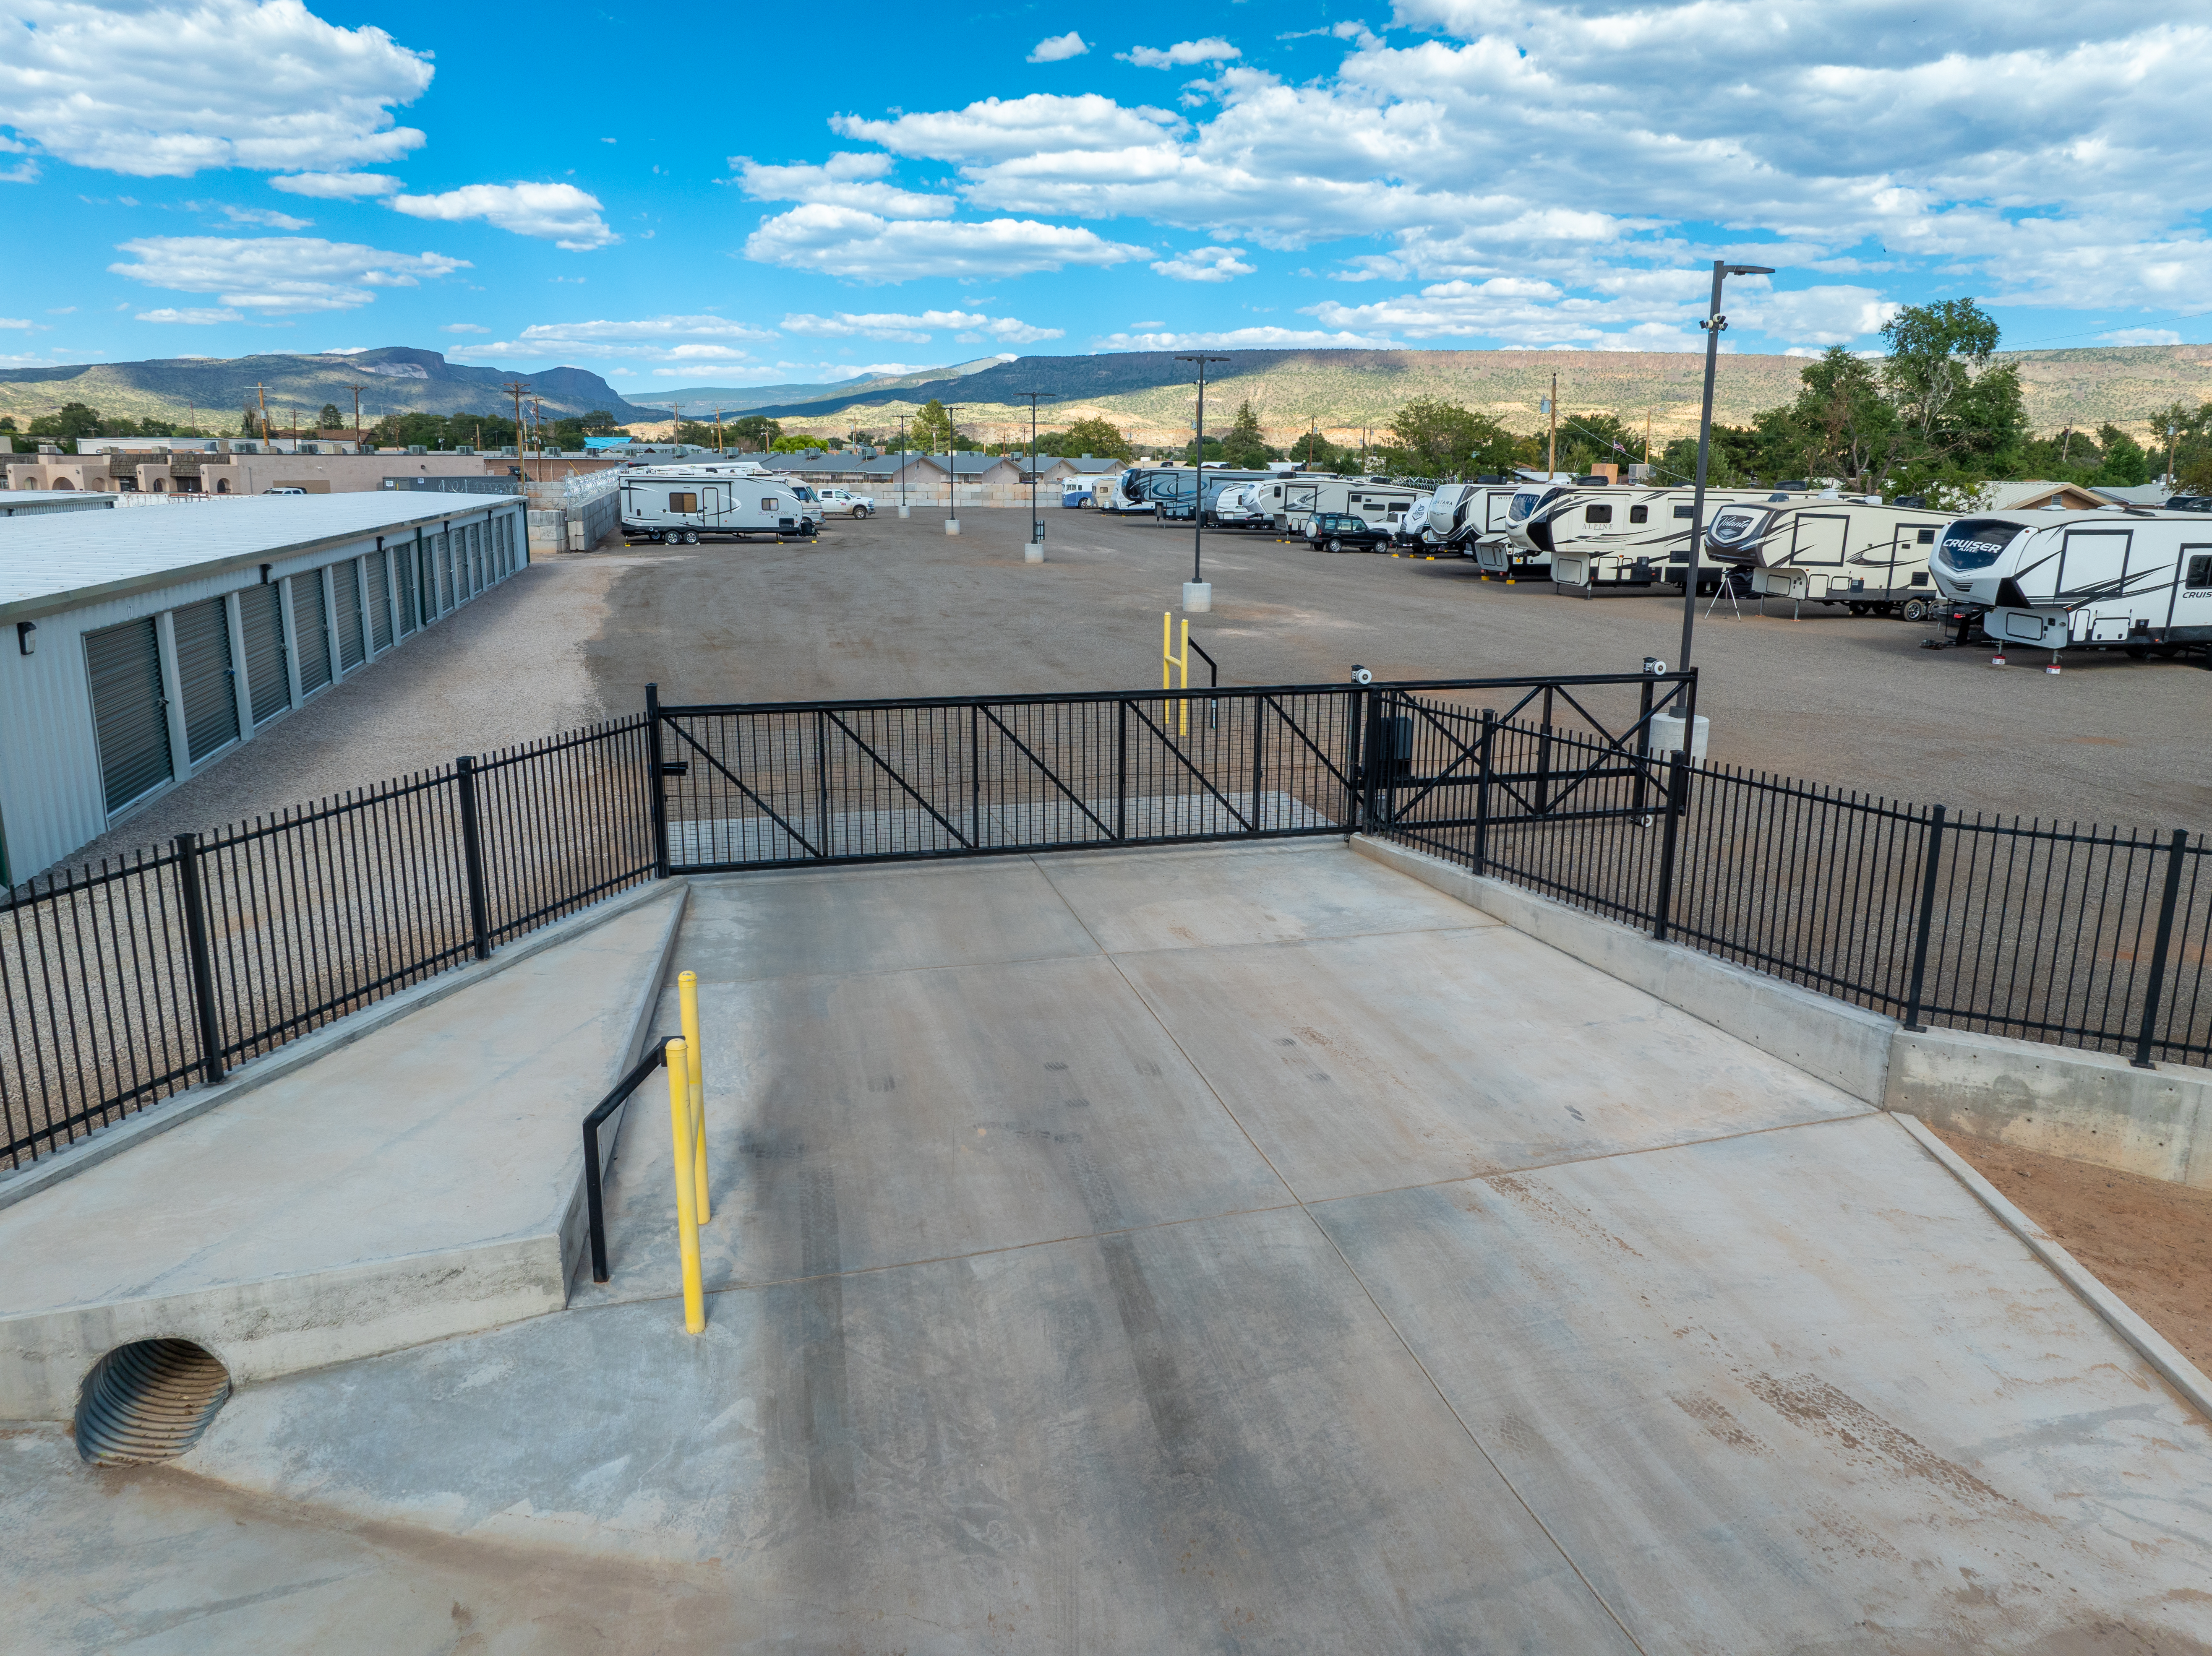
1169 662
687 1219
687 998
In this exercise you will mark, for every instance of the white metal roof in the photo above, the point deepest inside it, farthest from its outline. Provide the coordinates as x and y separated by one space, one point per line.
51 561
14 500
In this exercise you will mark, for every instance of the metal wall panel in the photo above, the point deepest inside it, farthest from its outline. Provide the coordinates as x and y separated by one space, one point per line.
407 561
345 614
204 678
129 710
268 683
448 594
310 631
379 567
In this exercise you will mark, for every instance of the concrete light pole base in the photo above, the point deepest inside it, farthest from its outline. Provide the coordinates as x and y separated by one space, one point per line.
1033 553
952 526
906 512
1197 596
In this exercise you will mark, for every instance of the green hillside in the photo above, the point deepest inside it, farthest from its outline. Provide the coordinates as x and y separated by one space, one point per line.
744 399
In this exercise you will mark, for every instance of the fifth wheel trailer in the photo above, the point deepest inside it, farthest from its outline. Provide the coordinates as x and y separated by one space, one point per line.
1605 535
2136 580
1857 552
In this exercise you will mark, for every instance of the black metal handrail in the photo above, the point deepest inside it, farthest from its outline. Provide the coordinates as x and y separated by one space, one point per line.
595 1206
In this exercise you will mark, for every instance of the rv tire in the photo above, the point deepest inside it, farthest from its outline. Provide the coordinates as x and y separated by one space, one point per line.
1916 610
1857 608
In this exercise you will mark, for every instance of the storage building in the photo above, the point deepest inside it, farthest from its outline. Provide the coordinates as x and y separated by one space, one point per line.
34 502
138 648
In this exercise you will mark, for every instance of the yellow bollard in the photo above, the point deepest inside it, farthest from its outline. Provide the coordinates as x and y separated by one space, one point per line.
687 998
1169 661
687 1219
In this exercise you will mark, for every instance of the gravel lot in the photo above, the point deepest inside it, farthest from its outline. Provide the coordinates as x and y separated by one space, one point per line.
886 607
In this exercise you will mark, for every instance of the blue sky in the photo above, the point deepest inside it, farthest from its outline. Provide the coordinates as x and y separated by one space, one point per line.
691 198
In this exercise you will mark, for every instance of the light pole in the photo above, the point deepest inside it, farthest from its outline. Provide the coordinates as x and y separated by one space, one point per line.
1035 551
951 473
905 510
1196 594
1714 325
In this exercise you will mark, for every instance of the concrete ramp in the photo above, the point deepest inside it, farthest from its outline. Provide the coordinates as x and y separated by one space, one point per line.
419 1182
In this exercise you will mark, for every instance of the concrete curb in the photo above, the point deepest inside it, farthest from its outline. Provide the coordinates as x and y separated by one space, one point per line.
2177 1370
175 1111
1845 1046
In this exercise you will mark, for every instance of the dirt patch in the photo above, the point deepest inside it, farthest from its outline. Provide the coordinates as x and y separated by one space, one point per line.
2149 1241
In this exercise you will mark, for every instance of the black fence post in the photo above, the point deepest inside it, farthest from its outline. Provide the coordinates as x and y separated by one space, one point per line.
2176 849
656 775
1354 728
1121 768
1933 856
1482 790
1678 789
199 958
465 772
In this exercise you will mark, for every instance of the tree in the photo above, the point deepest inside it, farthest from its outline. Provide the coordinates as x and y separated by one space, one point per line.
2126 464
1934 352
932 431
1851 427
330 419
1098 438
1245 448
1442 439
599 423
797 442
755 431
69 423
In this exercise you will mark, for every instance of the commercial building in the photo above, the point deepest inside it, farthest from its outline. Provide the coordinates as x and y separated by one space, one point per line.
227 466
139 648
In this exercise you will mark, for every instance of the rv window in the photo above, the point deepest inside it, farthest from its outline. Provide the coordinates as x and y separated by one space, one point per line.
1597 514
680 502
2200 570
1681 511
1639 514
769 504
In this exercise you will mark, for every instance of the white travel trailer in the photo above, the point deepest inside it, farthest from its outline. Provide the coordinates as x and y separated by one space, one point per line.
1606 536
1286 501
2114 579
1849 550
738 499
1472 519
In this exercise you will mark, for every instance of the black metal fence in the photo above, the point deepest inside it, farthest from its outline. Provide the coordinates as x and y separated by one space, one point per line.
126 981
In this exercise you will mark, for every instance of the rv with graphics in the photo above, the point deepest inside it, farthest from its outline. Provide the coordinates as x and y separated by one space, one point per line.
1856 552
2126 578
1286 500
1605 537
1472 519
738 499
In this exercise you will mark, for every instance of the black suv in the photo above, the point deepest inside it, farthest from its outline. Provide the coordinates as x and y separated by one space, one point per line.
1338 531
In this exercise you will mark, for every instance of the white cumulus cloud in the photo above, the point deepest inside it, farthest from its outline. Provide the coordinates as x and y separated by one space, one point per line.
558 213
698 339
844 180
336 187
463 327
1268 338
197 316
1205 264
2140 336
278 274
1058 48
841 241
916 329
1182 54
171 88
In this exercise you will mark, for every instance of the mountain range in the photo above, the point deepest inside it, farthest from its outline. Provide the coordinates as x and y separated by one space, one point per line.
747 399
211 392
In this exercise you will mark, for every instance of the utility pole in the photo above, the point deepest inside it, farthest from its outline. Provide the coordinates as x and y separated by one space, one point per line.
2169 456
1551 451
355 390
514 388
1647 437
1197 595
717 431
952 474
537 428
1036 523
261 392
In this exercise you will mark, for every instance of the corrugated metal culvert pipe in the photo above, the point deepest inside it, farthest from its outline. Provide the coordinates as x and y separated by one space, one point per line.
148 1401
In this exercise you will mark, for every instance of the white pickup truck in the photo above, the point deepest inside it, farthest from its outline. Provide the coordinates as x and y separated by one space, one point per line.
839 502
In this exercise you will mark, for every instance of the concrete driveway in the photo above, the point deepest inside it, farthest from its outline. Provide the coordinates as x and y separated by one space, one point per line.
1244 1249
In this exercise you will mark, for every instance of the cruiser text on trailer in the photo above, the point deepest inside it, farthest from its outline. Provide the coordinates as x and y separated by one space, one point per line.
2136 580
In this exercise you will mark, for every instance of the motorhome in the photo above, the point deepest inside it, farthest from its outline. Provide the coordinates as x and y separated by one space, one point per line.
736 498
1608 537
1131 490
1847 549
2128 579
1287 501
1173 496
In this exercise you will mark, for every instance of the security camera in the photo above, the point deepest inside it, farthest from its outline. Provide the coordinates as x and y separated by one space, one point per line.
1653 665
1361 676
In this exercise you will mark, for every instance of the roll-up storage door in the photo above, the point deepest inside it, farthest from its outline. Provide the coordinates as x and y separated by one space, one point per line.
345 612
476 558
378 567
310 631
404 562
206 682
448 594
267 686
129 711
